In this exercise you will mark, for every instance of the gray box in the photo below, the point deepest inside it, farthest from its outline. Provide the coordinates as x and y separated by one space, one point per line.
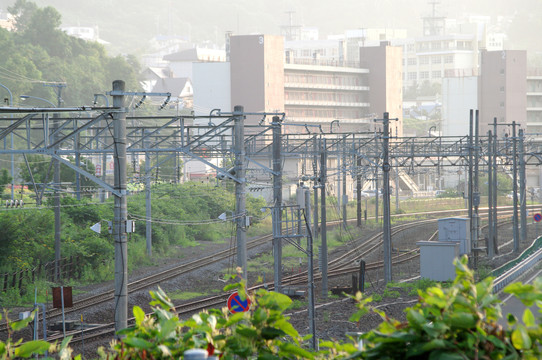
456 230
437 259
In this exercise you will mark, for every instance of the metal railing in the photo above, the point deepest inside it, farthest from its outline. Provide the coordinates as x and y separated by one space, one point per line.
515 268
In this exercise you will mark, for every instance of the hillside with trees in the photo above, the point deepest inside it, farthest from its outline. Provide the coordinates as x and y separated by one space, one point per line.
38 52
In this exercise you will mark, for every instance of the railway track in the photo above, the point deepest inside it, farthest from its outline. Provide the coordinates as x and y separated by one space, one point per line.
337 267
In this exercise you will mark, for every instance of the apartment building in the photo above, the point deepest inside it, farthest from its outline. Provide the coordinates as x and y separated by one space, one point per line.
534 103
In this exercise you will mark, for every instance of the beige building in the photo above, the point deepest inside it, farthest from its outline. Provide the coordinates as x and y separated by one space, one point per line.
257 73
385 82
502 89
264 78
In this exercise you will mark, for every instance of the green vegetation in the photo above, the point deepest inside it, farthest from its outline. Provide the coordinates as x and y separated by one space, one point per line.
454 322
185 295
39 51
185 216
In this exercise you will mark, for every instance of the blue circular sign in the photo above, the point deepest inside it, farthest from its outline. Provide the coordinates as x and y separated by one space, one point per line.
236 304
537 217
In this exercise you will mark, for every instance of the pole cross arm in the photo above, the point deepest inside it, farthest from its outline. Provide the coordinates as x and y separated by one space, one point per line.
15 125
78 130
218 169
98 181
262 166
137 93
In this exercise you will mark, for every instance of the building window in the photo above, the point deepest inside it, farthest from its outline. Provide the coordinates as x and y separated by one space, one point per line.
411 76
436 60
411 61
502 89
436 74
424 75
424 60
449 59
501 104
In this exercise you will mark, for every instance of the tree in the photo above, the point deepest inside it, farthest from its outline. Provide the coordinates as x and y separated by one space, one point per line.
4 178
39 50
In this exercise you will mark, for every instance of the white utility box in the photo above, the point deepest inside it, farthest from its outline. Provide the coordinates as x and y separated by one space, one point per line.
456 230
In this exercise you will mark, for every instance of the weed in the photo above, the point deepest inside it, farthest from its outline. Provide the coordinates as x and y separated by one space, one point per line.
297 304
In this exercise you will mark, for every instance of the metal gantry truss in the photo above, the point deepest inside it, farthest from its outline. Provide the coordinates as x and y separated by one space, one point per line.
92 132
48 131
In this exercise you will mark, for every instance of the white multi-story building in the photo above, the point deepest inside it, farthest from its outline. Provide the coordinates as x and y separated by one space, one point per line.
534 103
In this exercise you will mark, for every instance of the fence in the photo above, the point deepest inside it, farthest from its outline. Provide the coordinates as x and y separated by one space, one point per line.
68 269
510 271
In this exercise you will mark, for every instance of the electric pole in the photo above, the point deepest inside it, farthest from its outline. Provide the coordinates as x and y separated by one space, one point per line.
240 188
522 189
323 252
277 202
515 187
120 212
386 221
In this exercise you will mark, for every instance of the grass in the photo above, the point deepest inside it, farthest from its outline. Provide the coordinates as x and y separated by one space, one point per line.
297 304
185 295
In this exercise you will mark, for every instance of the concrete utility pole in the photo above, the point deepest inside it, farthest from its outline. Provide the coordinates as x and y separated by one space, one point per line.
396 179
315 182
12 146
490 189
476 191
77 139
496 190
277 202
345 196
310 268
120 212
323 253
240 188
358 190
148 203
386 225
338 192
471 184
515 186
522 188
56 202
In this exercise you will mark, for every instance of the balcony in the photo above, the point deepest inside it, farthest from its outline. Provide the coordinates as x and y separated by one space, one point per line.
312 86
324 103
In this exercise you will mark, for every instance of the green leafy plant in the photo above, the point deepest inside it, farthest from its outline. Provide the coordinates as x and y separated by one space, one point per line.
264 331
459 322
10 349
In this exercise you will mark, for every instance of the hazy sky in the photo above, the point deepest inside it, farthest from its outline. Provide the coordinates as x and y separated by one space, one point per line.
129 24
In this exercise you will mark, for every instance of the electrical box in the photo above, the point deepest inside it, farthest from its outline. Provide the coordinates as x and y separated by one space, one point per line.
300 196
23 315
437 259
456 230
130 226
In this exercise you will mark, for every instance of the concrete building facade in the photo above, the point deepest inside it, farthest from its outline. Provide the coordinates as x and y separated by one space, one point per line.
534 104
385 82
502 89
257 73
